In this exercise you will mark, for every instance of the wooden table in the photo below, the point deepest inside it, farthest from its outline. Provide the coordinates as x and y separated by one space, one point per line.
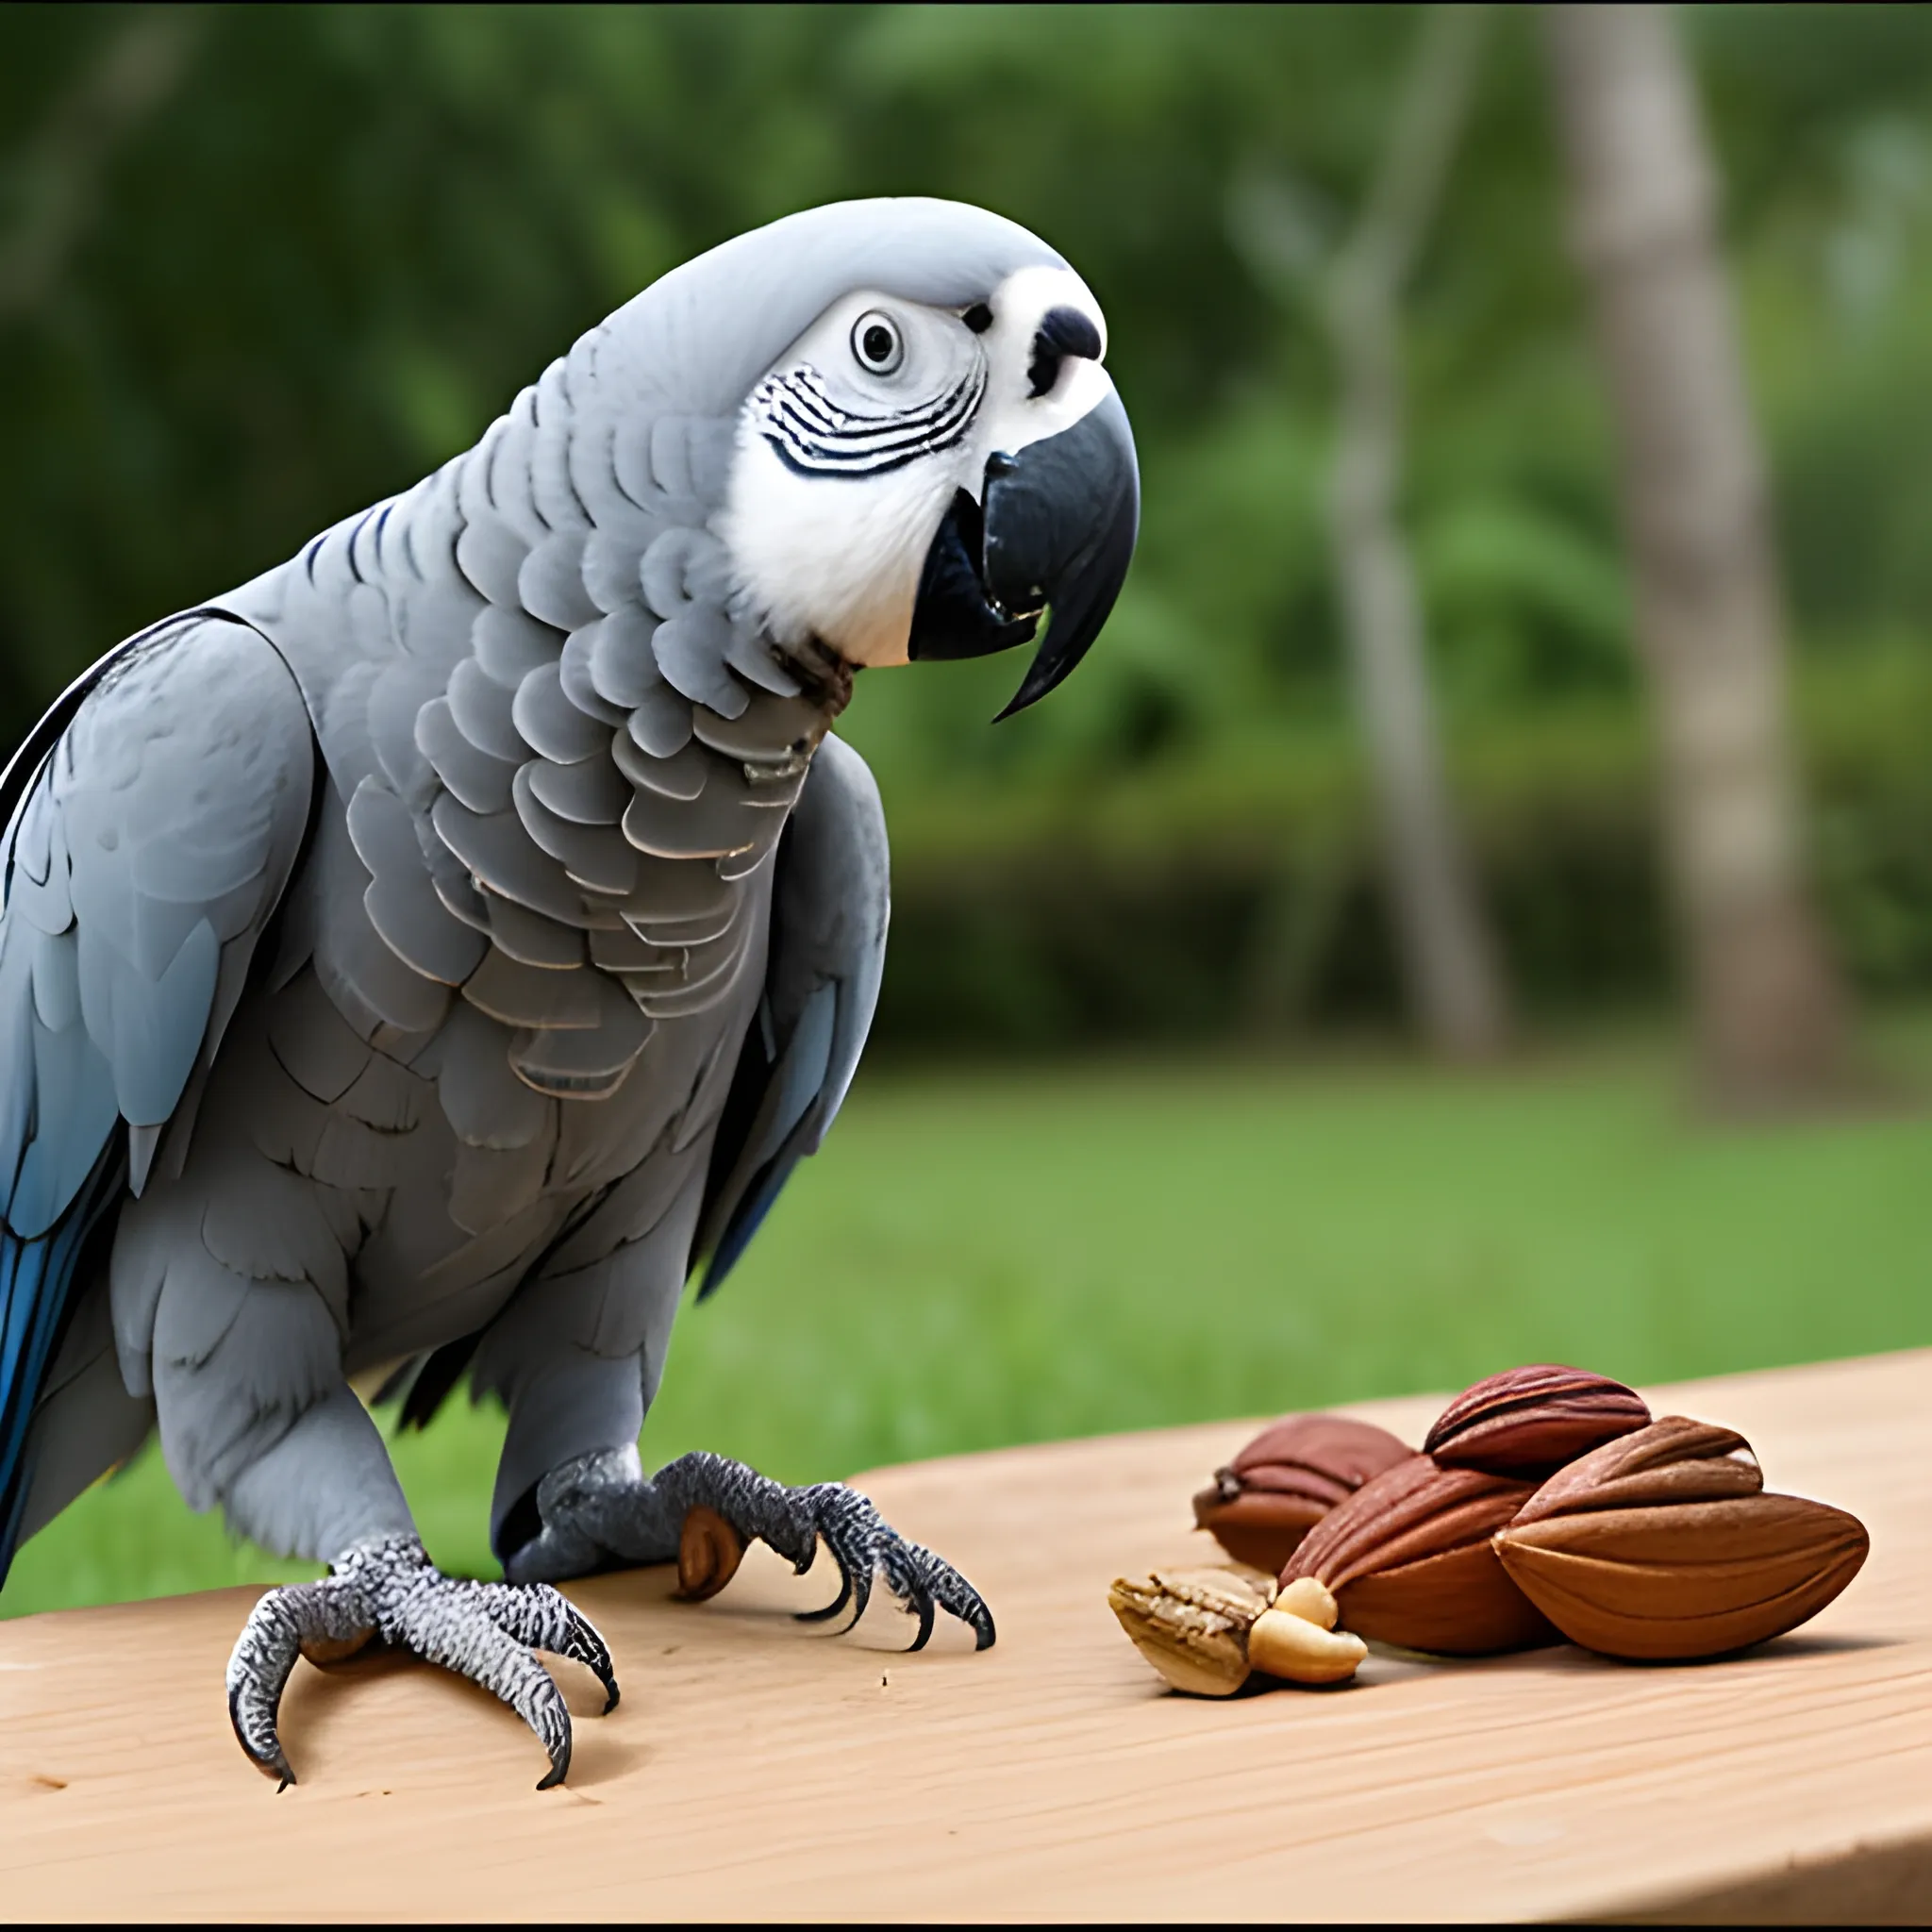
755 1769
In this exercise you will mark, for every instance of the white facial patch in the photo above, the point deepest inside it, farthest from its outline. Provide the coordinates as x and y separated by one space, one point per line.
1013 416
850 450
833 557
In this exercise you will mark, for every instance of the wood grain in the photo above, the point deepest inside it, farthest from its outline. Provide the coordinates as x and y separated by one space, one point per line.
755 1769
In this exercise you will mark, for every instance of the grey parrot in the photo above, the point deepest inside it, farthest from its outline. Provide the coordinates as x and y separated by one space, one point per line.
437 950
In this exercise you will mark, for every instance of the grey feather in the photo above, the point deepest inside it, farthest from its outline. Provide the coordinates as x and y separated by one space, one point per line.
509 472
490 1185
591 792
479 779
551 583
831 904
316 1047
609 567
485 1102
510 644
532 939
533 996
184 776
502 856
678 890
709 826
575 673
551 725
623 669
689 649
482 710
678 567
400 900
681 775
587 1063
597 854
661 724
767 725
396 696
687 932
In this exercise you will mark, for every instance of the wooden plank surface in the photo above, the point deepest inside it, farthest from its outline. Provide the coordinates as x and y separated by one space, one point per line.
755 1769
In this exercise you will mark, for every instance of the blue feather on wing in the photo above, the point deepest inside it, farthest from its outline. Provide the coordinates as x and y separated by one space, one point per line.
37 1283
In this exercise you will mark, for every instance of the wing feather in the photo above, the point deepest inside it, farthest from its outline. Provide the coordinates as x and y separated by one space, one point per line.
148 849
831 901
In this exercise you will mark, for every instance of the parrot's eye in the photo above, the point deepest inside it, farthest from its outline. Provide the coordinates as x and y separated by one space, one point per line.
876 343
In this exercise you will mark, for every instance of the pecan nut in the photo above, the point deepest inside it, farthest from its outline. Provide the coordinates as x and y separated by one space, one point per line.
1286 1480
1663 1546
1410 1560
1530 1422
1673 1461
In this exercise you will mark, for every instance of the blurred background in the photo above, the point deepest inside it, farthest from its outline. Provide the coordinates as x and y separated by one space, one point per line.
1474 905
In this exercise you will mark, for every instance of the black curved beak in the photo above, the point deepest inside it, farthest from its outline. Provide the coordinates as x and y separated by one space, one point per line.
1056 534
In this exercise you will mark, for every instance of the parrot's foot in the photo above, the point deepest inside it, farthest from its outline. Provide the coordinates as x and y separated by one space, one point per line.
598 1509
389 1590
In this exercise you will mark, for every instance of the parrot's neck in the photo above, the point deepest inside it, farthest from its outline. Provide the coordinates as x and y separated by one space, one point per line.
825 677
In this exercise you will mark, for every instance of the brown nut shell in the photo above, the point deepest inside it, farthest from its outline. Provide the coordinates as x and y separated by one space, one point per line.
1679 1580
1530 1422
1410 1560
1673 1461
709 1554
1258 1528
1286 1480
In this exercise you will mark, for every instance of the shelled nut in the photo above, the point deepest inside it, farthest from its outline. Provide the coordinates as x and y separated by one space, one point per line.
1208 1630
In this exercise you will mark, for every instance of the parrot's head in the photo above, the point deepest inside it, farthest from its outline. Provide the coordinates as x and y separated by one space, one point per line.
937 460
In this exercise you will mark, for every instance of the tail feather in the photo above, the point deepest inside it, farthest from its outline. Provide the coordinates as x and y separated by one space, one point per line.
37 1279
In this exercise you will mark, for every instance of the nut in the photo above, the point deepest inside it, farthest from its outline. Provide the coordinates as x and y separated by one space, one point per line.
1309 1600
1286 1480
1530 1421
709 1554
1192 1624
1409 1561
1660 1546
1674 1460
1287 1645
1208 1630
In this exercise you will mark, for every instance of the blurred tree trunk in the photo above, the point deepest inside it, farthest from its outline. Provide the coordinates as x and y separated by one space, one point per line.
1768 1010
1449 963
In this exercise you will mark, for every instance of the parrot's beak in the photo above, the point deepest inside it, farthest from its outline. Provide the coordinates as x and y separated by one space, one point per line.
1056 533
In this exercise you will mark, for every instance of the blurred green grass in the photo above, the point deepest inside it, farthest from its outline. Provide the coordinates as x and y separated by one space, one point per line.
998 1257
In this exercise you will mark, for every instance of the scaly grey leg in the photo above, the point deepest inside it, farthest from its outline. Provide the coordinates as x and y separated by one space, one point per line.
387 1588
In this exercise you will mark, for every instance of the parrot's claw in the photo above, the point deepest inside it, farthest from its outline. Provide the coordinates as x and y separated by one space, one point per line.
864 1544
486 1632
598 1508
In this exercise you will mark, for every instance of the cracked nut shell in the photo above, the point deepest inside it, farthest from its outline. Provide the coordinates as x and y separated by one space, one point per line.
1410 1560
1192 1624
1662 1546
1530 1422
1286 1480
1209 1630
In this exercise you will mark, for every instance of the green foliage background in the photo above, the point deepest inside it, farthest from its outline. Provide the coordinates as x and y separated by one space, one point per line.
349 234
